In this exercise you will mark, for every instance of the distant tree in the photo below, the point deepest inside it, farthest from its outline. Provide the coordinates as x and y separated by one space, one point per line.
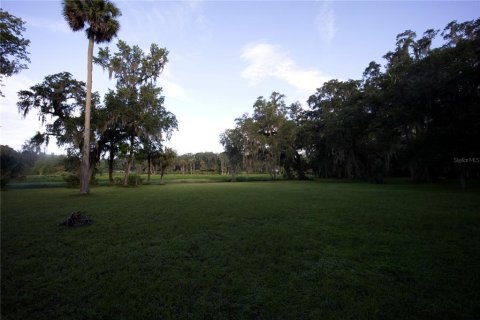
222 157
269 116
59 101
339 128
252 148
49 164
13 47
30 154
456 32
101 18
268 137
166 159
185 163
272 130
413 117
206 162
232 141
432 101
144 118
112 128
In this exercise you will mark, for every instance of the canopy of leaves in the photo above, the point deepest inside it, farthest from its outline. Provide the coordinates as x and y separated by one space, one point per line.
413 116
98 16
59 101
13 47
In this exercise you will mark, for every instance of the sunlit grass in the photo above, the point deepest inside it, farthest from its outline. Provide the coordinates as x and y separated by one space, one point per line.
253 250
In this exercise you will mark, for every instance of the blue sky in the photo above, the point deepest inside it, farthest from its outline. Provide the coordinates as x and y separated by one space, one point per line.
223 55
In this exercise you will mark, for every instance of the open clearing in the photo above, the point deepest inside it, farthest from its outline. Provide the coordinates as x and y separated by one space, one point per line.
250 250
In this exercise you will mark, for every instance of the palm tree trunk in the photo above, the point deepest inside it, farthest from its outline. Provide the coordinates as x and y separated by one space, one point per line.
85 169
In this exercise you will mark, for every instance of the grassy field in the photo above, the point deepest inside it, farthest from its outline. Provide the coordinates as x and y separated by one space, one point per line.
57 180
251 250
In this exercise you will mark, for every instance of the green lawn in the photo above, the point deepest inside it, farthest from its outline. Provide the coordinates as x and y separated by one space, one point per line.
57 180
250 250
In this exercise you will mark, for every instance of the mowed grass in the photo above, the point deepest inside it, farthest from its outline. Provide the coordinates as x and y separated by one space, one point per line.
251 250
57 180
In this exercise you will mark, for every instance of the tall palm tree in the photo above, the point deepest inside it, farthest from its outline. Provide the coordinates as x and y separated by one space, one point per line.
99 18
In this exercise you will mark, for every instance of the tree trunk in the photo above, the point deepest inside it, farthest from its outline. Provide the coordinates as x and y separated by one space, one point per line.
162 173
85 168
149 161
129 163
127 169
110 165
233 170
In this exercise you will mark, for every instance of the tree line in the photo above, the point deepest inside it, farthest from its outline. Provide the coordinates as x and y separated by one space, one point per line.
418 116
132 119
17 165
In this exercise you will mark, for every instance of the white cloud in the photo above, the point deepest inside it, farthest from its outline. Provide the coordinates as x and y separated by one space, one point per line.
266 60
198 134
325 23
171 88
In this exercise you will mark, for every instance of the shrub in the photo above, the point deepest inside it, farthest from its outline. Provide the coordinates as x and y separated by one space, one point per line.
72 180
133 180
10 164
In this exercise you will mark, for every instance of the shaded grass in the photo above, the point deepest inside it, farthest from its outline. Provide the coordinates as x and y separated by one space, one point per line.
254 250
53 181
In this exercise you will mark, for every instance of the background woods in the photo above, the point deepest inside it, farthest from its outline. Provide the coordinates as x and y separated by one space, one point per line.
415 115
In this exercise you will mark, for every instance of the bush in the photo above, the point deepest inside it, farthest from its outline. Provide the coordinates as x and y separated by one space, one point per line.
11 165
72 180
133 180
118 181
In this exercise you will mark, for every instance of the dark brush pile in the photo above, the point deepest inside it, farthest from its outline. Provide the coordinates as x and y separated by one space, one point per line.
76 219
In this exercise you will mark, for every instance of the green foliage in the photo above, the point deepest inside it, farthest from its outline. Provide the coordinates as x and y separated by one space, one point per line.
266 141
100 18
59 101
232 141
285 250
13 50
413 117
58 180
134 180
49 164
138 121
10 164
72 180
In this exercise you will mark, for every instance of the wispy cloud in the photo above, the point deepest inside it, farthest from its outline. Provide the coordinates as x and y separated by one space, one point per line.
54 26
266 60
325 22
179 18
